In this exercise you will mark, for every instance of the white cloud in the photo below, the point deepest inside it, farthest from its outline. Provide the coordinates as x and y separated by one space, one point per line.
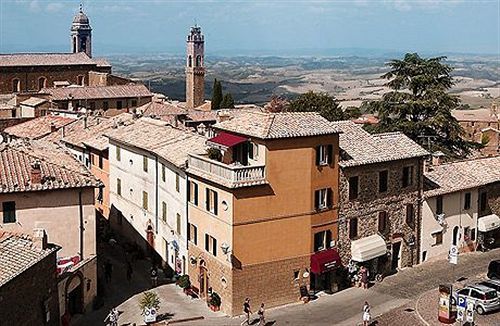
54 7
34 5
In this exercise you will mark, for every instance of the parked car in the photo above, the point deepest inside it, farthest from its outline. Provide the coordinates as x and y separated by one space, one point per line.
494 270
485 299
492 284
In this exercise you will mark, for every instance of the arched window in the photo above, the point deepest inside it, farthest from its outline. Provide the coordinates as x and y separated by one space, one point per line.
198 61
190 61
455 235
16 85
42 83
81 80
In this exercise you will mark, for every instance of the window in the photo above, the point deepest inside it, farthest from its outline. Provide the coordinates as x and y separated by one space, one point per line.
177 183
193 234
407 176
323 198
322 240
410 215
16 86
296 274
483 201
438 238
42 83
382 222
164 211
145 163
190 61
467 200
178 223
382 181
211 244
324 154
193 193
119 186
424 256
198 61
9 211
163 173
211 201
134 102
105 105
101 164
145 200
80 80
253 151
353 187
118 154
100 194
353 228
119 105
439 205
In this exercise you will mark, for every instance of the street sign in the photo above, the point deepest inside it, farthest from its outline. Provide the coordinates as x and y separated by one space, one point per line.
462 302
453 255
149 315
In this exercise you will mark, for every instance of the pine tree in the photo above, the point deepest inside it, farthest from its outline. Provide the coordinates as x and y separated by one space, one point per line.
216 95
227 101
322 103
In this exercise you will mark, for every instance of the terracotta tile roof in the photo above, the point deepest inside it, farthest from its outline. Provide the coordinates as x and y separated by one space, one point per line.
33 101
479 115
18 253
158 137
201 116
38 127
101 62
277 125
44 59
358 147
90 133
59 169
458 176
97 92
160 109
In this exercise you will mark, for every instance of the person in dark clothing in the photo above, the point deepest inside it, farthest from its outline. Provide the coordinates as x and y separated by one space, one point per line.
154 276
247 311
108 270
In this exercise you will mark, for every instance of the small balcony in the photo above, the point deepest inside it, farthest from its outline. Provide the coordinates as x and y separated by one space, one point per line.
228 175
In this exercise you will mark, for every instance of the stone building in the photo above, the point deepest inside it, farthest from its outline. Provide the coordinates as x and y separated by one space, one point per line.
44 187
195 68
262 209
461 206
81 34
381 179
28 279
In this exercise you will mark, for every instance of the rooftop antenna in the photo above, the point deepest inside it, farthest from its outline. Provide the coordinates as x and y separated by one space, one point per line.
81 6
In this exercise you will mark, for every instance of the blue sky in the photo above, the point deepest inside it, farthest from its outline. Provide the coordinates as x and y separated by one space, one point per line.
281 27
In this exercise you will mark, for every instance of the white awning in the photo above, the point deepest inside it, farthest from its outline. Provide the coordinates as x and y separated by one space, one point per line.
368 248
488 223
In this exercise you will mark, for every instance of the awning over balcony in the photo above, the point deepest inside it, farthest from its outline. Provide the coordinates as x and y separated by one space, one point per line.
488 223
324 261
226 140
368 248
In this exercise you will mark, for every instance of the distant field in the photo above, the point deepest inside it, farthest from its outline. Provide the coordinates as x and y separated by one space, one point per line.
256 79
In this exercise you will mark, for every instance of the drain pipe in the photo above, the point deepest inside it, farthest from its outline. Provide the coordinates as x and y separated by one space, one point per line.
82 228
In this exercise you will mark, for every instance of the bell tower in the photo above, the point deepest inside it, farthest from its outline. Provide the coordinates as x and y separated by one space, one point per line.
81 34
195 68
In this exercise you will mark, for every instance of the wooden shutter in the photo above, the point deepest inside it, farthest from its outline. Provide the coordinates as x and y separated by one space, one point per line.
330 154
190 183
316 199
195 194
214 246
329 197
207 201
195 230
207 242
216 203
318 158
328 239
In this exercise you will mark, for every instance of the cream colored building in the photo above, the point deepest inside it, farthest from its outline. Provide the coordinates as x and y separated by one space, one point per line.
460 202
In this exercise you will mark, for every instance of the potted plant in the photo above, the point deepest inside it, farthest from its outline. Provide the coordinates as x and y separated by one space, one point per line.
149 305
214 301
214 154
184 282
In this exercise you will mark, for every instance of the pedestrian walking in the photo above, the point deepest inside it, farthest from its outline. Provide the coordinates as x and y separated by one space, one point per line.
154 276
262 319
129 271
366 314
112 318
108 270
247 311
364 277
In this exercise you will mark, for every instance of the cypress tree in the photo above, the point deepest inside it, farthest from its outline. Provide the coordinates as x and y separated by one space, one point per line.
227 101
216 95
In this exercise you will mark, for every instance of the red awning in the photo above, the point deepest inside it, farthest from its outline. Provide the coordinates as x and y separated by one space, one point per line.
324 261
227 140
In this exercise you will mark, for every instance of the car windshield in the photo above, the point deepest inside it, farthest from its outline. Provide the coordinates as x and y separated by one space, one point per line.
491 295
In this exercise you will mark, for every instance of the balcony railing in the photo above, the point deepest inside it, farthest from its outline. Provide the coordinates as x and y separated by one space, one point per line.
231 176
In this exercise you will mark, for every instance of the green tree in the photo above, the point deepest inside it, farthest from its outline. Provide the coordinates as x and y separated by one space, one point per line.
227 101
322 103
216 95
420 106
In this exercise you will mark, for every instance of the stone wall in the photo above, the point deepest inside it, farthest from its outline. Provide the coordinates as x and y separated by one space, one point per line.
24 296
493 191
370 202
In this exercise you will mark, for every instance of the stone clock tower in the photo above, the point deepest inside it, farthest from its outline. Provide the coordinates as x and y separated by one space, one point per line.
195 68
81 34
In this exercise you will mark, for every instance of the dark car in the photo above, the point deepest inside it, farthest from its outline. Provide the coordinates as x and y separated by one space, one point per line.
494 270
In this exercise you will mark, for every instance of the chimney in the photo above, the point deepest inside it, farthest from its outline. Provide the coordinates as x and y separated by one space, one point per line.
53 127
40 238
437 158
36 172
223 115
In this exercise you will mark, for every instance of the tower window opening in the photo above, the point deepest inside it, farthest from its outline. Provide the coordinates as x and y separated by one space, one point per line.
198 61
190 61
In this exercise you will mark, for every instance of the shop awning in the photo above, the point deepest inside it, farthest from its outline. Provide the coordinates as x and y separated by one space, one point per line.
226 140
324 261
368 248
488 223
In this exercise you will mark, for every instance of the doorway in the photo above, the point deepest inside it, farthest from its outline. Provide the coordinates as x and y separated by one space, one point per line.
455 235
74 294
396 255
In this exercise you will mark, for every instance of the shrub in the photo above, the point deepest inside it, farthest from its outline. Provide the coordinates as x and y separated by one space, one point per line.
184 281
149 300
214 154
215 299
